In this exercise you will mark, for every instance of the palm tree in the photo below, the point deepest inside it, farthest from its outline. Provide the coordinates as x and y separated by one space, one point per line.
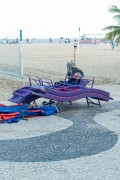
114 33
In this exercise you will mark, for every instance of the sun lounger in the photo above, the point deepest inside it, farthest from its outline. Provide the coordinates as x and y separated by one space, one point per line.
64 92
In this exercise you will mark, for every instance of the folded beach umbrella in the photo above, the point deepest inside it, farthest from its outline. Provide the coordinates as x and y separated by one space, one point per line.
14 108
10 117
48 110
10 114
14 113
41 111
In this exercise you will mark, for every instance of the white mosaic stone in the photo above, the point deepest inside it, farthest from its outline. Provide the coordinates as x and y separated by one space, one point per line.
102 166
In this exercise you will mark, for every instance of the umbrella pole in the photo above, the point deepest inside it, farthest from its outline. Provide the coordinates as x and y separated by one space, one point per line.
75 47
74 56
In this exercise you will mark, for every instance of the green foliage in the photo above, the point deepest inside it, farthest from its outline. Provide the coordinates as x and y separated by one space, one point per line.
114 31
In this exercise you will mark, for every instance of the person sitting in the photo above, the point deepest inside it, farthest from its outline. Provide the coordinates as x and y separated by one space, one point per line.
75 79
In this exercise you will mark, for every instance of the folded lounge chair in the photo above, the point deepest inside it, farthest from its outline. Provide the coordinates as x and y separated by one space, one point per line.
63 92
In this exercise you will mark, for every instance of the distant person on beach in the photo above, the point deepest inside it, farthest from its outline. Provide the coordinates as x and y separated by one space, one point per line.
61 40
7 40
27 40
4 41
112 44
67 40
50 40
16 41
95 40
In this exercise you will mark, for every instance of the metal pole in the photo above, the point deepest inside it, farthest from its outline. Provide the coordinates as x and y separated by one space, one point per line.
75 47
21 55
74 55
79 41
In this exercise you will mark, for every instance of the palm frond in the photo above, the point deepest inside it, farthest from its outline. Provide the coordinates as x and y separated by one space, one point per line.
114 31
117 18
113 35
117 40
109 36
114 9
111 28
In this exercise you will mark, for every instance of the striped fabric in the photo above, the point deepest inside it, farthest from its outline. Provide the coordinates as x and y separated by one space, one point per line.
28 94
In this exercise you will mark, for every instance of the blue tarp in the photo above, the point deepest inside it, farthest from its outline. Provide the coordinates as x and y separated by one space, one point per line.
11 114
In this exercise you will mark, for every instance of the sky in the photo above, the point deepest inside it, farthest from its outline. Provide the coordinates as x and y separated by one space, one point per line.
54 18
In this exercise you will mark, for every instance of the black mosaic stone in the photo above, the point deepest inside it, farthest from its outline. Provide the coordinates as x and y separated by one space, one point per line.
84 138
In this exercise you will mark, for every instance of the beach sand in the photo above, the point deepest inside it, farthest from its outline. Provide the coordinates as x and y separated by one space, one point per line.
49 62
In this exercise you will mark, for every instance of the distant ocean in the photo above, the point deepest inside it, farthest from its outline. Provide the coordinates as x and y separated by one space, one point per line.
33 41
47 41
